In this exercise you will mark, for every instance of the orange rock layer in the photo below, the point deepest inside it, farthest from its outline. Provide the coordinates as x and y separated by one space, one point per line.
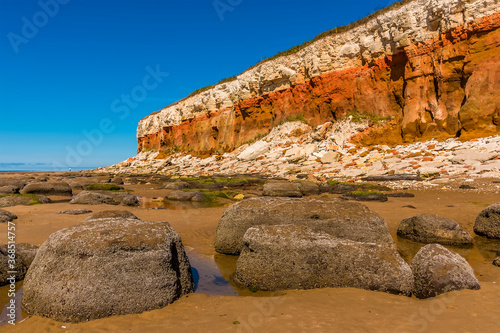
440 89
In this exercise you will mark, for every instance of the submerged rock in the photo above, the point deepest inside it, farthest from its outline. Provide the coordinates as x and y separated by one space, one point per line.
432 228
6 216
437 270
296 257
281 189
24 255
347 220
105 267
92 198
488 222
48 188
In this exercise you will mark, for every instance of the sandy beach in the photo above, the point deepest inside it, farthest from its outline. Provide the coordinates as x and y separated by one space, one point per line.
320 310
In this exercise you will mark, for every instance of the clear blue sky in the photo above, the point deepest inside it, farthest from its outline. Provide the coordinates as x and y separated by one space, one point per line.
63 70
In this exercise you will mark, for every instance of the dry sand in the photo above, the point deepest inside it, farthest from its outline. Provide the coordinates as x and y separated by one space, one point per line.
322 310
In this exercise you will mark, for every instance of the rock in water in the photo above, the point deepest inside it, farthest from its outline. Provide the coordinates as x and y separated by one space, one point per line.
296 257
92 198
6 216
24 253
347 220
105 267
48 188
432 228
281 189
437 270
488 222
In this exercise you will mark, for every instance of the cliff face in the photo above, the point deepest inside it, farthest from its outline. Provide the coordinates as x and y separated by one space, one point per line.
433 66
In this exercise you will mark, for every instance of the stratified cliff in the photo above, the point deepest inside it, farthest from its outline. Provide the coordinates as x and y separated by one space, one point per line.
433 66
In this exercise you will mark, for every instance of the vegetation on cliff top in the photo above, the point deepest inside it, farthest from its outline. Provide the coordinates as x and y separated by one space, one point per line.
297 48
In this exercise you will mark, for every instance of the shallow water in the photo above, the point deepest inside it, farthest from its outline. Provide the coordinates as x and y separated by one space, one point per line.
5 300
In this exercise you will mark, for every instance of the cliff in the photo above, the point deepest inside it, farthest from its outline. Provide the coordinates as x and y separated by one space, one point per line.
432 66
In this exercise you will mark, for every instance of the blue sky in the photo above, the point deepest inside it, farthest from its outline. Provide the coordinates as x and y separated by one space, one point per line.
66 70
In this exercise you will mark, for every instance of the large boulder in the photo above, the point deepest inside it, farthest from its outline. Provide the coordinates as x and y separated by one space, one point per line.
347 220
496 262
6 216
488 222
48 188
437 270
24 254
105 267
432 228
296 257
92 198
281 188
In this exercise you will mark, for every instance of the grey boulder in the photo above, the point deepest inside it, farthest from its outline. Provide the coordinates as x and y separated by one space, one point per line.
342 219
48 188
296 257
24 255
105 267
281 189
488 222
432 228
437 270
92 198
6 216
130 200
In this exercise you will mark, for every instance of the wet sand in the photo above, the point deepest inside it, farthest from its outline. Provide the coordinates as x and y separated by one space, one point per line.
322 310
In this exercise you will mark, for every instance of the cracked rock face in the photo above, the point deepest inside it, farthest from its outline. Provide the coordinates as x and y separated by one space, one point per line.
437 271
107 266
431 65
346 220
432 228
296 257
